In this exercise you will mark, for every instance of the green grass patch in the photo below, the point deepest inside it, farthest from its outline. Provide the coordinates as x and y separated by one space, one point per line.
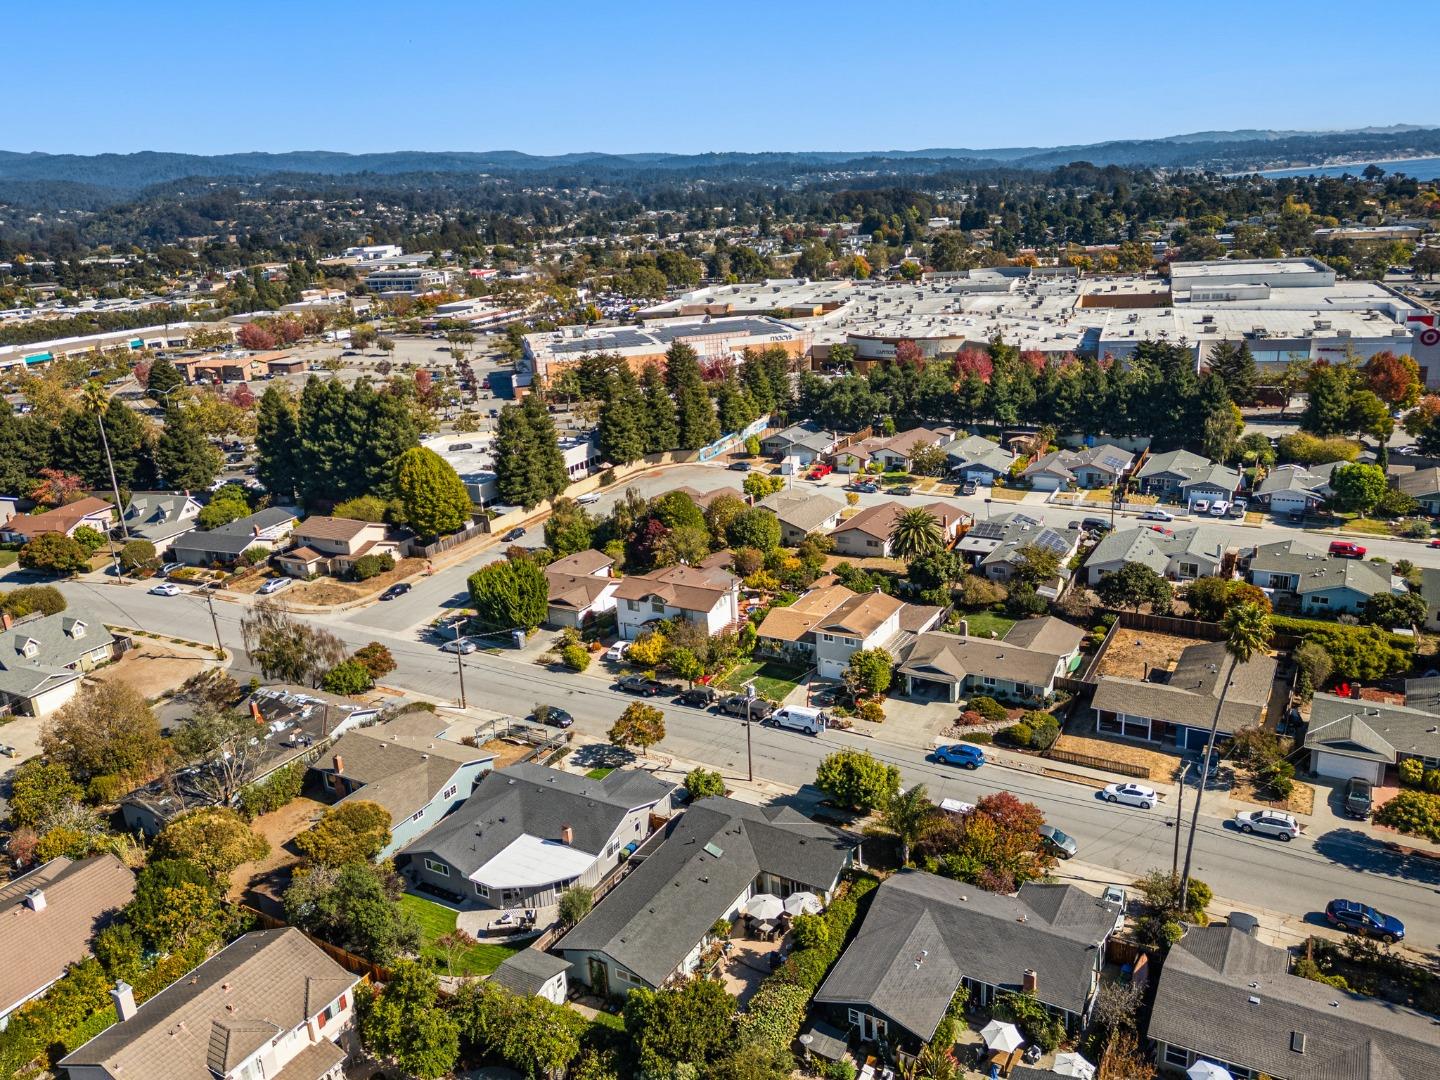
1369 526
772 679
600 772
9 558
437 920
981 623
1005 494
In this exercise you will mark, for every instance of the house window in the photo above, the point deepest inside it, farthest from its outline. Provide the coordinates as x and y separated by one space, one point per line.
1177 1056
482 890
632 605
418 814
1189 570
611 848
872 543
449 791
327 1015
657 606
827 637
986 680
437 868
1320 601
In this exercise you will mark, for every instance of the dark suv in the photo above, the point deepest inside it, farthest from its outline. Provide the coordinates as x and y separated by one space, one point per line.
699 697
758 708
1358 798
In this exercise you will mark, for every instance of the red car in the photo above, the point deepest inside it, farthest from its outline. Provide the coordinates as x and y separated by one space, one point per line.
1344 549
821 471
1434 544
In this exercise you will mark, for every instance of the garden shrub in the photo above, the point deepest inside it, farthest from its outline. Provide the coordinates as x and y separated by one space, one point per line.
576 657
1413 812
368 566
989 708
1019 734
1412 771
1431 780
1044 728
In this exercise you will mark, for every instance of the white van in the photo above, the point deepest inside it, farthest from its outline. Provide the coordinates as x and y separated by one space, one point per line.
799 718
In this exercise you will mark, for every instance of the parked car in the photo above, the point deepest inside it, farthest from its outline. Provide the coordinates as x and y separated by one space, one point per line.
902 489
966 755
1157 515
968 488
1238 507
551 716
1131 795
589 498
639 684
756 708
1115 897
1059 844
395 591
1433 544
865 487
1200 506
739 466
1096 525
514 534
617 652
1161 529
463 646
819 472
167 588
1364 920
274 585
698 697
1346 549
1268 823
1219 508
1359 798
8 751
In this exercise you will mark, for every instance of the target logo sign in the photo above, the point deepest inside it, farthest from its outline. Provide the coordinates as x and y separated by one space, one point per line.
1429 337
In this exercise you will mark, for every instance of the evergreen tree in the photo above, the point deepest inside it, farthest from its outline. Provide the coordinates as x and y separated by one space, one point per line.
662 430
1235 365
325 448
734 405
385 429
1327 411
184 458
551 474
432 496
514 464
695 413
277 443
164 377
24 451
76 447
622 420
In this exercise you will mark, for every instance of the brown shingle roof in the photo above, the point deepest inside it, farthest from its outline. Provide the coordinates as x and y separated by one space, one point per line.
274 977
329 528
794 622
582 562
38 945
61 519
401 772
879 520
861 615
690 588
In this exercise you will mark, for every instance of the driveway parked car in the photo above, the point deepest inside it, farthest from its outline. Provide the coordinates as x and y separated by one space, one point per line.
638 684
463 646
902 489
617 652
1131 795
966 755
1268 823
394 591
698 697
1059 844
1359 798
1364 920
968 488
274 585
739 705
1096 525
168 588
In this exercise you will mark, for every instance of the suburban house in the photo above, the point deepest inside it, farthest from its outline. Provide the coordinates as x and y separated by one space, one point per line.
1180 476
43 657
580 588
1093 467
1422 485
788 632
48 919
1022 668
1228 998
976 458
1296 489
867 534
1430 591
160 517
1319 584
865 621
532 972
993 546
1181 554
925 936
830 622
96 513
1349 737
806 443
406 767
709 596
528 833
894 452
266 528
269 1004
655 924
9 507
331 545
801 513
1177 707
293 724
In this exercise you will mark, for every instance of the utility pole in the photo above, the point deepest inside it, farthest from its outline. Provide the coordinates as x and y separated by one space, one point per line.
1179 820
215 623
1184 895
460 670
114 487
749 748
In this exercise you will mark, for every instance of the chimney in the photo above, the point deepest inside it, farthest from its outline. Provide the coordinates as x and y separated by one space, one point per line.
35 899
256 714
124 997
567 835
1030 982
339 764
6 622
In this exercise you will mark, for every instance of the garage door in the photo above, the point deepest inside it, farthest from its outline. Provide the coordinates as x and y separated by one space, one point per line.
831 669
1340 767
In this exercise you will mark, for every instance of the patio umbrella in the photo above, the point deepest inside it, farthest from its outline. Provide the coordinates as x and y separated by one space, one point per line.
1070 1064
802 903
1208 1070
1001 1036
764 906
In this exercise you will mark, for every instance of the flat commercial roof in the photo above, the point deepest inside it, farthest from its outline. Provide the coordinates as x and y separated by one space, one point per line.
529 861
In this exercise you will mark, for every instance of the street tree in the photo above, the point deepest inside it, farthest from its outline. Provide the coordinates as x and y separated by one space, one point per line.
1358 487
510 595
858 780
54 553
870 671
433 498
285 648
702 783
640 725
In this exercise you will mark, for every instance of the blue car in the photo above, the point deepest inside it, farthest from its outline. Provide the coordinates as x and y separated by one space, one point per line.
966 755
1364 920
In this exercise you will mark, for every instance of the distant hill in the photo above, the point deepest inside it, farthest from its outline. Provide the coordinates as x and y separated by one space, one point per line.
1222 150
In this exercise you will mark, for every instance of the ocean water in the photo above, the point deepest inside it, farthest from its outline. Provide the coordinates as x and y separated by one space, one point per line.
1417 168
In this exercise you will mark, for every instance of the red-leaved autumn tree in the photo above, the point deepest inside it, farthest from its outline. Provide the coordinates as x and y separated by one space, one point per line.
1394 379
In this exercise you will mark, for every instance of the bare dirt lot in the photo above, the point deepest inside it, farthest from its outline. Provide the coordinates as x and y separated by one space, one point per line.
154 666
260 884
1162 766
1134 653
1301 801
326 592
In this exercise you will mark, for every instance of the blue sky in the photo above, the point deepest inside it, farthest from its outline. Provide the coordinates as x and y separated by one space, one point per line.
89 76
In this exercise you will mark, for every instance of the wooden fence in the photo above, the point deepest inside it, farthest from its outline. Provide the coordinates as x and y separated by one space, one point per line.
357 965
416 550
1089 761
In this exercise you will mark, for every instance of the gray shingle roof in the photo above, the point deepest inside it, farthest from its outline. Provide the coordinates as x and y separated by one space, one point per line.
943 657
59 641
400 772
1227 996
924 933
656 916
1372 730
235 537
525 799
528 970
1192 691
802 510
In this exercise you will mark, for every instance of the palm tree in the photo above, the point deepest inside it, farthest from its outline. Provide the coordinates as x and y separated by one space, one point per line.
905 816
94 399
916 532
1247 631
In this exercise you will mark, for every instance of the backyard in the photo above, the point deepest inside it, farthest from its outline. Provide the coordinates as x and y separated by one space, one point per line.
437 920
772 679
987 623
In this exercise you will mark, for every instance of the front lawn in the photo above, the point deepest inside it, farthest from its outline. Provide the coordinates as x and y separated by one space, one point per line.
437 920
772 679
981 623
600 772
